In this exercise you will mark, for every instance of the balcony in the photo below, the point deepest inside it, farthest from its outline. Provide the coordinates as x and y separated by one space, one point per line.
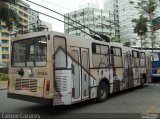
5 38
4 52
4 45
23 11
23 17
4 30
4 60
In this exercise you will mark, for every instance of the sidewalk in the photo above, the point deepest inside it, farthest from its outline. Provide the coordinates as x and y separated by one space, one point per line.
3 85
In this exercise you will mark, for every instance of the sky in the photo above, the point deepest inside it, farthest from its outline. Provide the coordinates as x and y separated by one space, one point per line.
61 6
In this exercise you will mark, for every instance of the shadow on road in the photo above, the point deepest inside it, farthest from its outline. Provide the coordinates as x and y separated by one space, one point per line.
64 111
47 111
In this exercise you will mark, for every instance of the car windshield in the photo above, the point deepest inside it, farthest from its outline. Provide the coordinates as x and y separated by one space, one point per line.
29 52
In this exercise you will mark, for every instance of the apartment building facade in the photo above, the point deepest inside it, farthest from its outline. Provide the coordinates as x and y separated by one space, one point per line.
26 17
92 17
129 10
114 6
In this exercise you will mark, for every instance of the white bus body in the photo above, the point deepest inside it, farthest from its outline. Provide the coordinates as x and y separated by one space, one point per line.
56 68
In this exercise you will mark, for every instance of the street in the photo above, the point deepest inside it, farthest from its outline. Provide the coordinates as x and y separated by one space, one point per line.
133 102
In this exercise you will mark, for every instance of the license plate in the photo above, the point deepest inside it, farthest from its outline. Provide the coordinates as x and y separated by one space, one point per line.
25 88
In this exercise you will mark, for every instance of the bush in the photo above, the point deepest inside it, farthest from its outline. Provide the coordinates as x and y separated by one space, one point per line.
4 70
4 77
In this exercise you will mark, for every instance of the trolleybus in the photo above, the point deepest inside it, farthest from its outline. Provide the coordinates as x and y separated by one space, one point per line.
60 69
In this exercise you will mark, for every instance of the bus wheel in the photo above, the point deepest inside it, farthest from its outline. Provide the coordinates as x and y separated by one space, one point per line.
103 91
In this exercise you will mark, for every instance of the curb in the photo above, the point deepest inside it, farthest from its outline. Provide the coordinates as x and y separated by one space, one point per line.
3 85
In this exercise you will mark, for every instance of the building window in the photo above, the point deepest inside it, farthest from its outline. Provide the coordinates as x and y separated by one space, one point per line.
5 34
131 2
4 41
5 56
4 49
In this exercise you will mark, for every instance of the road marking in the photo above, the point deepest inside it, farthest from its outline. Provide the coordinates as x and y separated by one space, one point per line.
151 111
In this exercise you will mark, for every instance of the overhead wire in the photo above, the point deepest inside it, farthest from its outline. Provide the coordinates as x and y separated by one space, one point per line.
101 35
51 17
57 5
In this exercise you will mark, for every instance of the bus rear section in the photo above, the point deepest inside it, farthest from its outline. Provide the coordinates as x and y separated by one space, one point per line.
155 66
29 71
44 70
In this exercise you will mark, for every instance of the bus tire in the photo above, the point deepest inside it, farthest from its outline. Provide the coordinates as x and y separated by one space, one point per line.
103 92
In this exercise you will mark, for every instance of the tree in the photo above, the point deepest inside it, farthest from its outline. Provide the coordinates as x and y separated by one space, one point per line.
150 8
127 44
115 39
7 15
140 27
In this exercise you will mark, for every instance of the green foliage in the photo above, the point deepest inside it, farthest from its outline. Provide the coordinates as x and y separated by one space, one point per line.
34 28
7 15
150 7
127 44
4 70
115 39
4 77
140 25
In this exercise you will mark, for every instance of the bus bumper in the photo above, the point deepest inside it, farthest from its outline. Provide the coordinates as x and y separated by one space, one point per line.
155 75
30 98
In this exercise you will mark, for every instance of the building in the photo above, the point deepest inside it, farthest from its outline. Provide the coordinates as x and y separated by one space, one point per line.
128 10
113 6
33 17
26 17
92 17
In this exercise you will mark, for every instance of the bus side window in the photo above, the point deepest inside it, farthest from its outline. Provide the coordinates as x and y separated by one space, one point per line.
117 54
59 44
135 56
142 59
100 55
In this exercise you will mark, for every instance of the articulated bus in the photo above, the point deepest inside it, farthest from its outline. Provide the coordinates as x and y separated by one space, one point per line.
55 68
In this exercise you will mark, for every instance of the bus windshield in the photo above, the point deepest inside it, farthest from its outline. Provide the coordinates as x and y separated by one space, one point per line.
29 52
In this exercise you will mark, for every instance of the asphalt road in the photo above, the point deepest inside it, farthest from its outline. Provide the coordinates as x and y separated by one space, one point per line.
134 102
